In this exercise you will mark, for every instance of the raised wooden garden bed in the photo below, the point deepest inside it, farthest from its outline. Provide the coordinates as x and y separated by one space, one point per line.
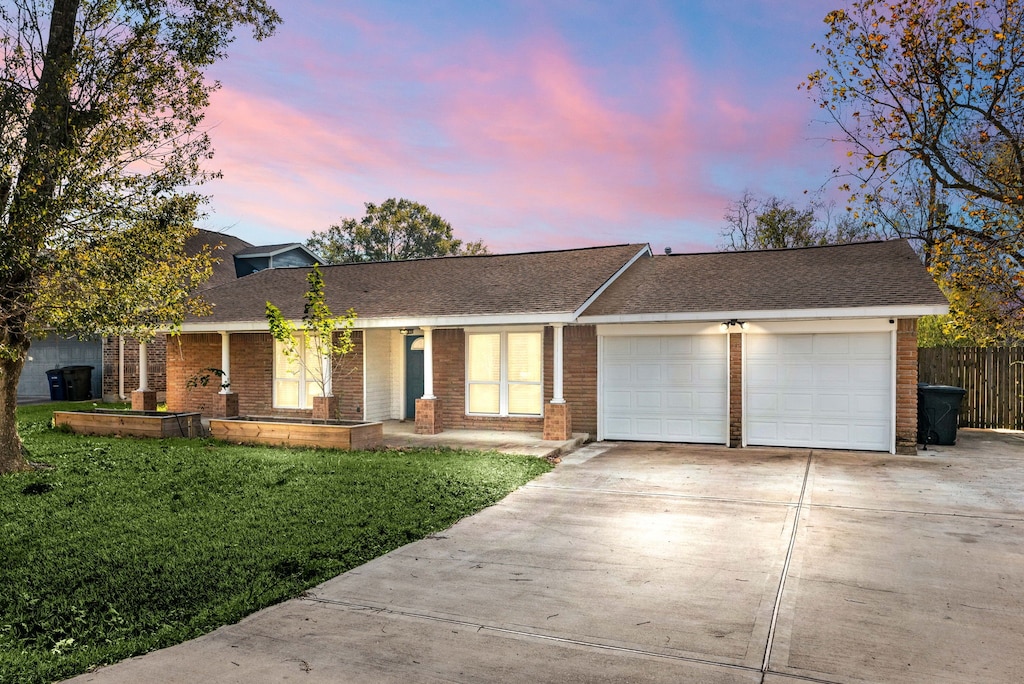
130 423
333 434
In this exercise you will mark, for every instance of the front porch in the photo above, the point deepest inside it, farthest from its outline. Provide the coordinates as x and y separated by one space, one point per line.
399 434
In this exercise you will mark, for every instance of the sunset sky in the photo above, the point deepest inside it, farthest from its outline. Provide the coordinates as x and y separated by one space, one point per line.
529 125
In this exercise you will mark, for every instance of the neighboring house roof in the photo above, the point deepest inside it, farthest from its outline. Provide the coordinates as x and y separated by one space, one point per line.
274 250
224 269
871 276
528 287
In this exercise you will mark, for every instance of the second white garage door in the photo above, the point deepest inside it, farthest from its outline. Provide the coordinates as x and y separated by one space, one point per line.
670 388
819 390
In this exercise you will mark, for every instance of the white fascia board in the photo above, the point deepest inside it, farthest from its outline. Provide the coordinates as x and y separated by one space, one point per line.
597 293
903 311
282 250
418 322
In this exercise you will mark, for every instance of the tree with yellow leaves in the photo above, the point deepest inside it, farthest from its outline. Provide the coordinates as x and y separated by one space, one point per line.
928 96
101 144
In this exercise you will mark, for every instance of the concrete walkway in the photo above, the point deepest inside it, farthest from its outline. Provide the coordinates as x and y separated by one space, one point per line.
400 433
664 563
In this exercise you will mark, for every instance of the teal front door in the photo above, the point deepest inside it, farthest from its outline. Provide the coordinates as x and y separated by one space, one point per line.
413 374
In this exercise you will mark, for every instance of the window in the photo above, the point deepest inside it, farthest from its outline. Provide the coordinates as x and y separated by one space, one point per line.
295 385
503 373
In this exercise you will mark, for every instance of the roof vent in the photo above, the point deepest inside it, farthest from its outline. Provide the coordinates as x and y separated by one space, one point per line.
668 250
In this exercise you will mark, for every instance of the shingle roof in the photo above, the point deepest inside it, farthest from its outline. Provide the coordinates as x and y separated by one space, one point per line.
534 282
867 274
223 270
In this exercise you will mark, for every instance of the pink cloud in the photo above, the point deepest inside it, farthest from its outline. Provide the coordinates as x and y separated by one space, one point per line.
519 143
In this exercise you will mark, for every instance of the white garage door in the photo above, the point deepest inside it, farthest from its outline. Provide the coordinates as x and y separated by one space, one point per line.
822 390
664 388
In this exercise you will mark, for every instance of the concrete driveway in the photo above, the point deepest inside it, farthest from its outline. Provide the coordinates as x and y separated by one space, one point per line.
663 563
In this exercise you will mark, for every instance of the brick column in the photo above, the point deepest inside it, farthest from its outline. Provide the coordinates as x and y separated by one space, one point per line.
144 400
557 422
428 417
225 405
735 389
906 386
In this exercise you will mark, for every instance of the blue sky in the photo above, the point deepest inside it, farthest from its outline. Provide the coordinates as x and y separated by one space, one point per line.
529 125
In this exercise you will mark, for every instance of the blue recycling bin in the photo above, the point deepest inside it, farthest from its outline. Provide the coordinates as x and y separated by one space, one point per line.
58 387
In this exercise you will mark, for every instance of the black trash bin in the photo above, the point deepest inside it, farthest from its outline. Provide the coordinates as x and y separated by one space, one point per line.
79 382
938 410
58 389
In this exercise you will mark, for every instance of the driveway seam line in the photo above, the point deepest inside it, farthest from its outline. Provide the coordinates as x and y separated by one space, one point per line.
666 495
533 635
904 511
785 566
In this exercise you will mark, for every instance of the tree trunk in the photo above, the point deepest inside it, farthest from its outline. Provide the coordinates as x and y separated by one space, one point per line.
12 456
30 217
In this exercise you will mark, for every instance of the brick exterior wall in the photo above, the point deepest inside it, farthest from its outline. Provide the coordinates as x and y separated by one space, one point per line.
188 354
579 381
252 373
157 357
906 386
735 390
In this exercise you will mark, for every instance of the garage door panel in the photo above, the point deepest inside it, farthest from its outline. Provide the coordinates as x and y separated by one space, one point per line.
677 401
711 375
676 346
831 403
762 401
648 400
762 375
825 390
797 403
678 428
713 402
794 345
679 373
664 388
832 374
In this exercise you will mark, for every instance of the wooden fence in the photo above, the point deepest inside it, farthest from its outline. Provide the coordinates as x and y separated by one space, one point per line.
993 378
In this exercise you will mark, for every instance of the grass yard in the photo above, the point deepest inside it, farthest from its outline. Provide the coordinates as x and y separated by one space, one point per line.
127 545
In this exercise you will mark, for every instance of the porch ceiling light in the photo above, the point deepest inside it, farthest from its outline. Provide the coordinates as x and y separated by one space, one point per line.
405 331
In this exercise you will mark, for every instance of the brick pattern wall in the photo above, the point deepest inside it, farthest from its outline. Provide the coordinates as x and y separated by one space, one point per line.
906 386
579 381
252 376
735 390
188 354
157 357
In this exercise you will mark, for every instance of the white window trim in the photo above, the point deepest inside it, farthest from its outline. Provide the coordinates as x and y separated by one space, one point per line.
503 381
325 370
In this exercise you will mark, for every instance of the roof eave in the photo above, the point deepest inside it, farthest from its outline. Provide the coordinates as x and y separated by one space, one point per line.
465 321
882 311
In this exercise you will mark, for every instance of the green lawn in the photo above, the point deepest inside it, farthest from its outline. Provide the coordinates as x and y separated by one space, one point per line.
127 545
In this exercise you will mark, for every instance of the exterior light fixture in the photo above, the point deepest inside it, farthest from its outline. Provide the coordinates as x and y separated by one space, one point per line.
405 331
725 326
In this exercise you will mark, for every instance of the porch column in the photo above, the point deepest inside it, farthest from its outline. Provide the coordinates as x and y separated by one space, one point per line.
225 362
556 390
428 408
226 404
143 399
428 364
557 416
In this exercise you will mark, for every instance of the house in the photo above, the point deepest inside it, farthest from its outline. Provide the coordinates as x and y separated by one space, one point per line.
119 356
811 347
